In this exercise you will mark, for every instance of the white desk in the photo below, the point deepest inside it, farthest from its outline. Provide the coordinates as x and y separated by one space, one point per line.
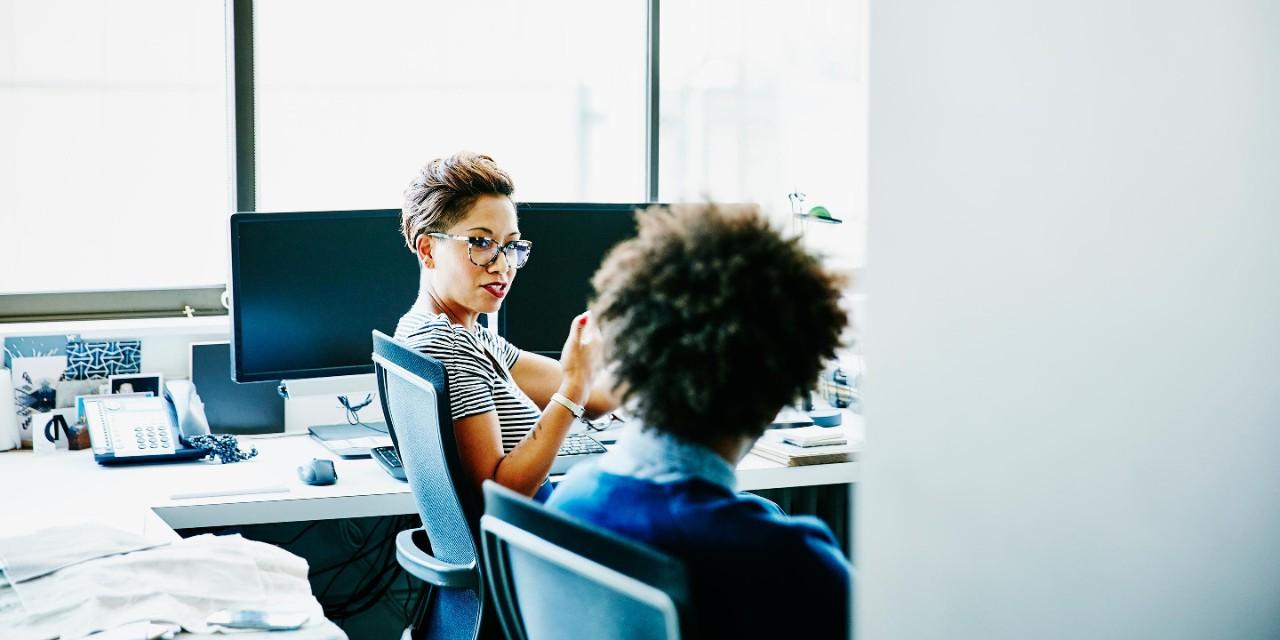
68 487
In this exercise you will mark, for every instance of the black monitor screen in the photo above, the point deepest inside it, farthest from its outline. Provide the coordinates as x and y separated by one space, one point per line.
254 407
569 243
308 288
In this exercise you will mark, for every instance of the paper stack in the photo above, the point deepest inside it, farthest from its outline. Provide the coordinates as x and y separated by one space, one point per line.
812 436
820 448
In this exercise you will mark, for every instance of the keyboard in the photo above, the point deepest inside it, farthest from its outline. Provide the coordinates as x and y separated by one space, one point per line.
577 447
390 461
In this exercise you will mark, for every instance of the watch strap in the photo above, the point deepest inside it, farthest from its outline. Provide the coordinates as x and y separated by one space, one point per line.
576 409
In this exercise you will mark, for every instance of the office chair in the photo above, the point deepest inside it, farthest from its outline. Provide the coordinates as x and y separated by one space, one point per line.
551 576
443 552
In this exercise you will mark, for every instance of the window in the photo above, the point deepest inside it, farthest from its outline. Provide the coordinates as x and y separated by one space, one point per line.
113 145
351 99
114 119
761 98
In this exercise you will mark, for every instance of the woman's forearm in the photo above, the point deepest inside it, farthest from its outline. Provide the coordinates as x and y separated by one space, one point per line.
527 465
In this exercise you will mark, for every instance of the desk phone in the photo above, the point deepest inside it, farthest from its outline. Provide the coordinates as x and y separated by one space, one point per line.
137 429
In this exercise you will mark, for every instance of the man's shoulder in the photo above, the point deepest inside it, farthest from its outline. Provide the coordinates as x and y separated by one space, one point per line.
760 521
585 485
695 507
731 544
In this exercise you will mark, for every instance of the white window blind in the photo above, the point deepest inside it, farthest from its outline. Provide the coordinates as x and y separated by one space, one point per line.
113 156
352 99
761 98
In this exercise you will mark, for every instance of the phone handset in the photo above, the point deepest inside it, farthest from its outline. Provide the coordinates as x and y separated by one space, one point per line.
186 409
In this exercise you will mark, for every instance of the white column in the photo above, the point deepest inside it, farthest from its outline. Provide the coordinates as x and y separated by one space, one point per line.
1073 281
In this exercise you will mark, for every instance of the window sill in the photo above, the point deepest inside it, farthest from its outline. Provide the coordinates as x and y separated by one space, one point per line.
133 328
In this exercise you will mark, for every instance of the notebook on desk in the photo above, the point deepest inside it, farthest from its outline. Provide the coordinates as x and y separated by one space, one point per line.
771 446
351 440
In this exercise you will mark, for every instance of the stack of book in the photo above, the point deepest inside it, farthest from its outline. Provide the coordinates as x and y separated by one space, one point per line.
808 445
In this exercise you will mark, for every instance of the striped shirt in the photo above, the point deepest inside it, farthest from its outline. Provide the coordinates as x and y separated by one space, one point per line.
478 365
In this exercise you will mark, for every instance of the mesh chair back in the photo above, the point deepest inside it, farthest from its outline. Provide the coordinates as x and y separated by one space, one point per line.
551 576
415 393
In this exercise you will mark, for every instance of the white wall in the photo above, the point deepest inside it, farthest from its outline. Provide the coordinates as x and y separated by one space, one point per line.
1074 332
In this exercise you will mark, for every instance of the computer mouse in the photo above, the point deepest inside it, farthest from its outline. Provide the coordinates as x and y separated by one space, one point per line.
319 472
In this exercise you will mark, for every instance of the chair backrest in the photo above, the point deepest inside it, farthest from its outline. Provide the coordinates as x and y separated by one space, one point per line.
551 576
415 394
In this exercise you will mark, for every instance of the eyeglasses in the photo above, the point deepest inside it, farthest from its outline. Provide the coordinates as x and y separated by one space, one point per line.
606 423
484 251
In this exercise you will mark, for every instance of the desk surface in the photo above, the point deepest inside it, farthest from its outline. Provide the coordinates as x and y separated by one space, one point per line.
68 487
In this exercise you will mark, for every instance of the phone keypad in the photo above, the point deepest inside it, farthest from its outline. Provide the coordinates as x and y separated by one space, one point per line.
139 433
151 436
145 439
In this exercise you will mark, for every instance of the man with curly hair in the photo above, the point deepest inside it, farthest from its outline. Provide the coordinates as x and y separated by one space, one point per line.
712 322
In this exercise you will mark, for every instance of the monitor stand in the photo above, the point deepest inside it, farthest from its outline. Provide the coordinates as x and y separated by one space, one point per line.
313 404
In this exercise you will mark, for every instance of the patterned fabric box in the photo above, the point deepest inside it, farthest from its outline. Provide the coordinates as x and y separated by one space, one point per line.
102 358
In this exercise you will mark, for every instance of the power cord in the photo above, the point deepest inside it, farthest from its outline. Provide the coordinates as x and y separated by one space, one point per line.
224 447
380 575
353 411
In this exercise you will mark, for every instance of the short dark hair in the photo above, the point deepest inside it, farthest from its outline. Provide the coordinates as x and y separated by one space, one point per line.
713 320
444 190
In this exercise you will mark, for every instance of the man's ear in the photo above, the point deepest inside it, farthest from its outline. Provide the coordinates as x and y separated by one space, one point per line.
424 252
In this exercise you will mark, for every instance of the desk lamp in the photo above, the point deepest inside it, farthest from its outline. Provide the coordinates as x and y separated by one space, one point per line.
827 416
816 213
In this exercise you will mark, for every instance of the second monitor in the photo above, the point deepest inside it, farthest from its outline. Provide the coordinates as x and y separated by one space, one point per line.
570 240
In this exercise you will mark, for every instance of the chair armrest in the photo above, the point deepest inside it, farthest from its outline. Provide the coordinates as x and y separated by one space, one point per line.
430 569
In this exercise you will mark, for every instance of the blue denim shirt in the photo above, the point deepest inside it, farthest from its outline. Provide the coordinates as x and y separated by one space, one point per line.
753 571
648 454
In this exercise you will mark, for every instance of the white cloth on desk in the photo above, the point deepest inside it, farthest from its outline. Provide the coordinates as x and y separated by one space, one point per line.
31 556
182 583
151 631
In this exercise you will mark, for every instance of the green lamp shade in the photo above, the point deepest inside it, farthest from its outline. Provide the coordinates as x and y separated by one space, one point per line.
820 214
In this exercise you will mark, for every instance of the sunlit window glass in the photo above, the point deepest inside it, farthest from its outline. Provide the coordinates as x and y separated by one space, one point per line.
353 98
113 145
762 98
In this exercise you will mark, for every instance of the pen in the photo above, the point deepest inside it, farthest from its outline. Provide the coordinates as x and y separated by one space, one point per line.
229 492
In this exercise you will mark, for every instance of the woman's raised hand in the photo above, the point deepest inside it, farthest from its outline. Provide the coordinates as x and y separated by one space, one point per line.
580 358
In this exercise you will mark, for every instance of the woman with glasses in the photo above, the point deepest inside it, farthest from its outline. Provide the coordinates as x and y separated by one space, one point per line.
511 408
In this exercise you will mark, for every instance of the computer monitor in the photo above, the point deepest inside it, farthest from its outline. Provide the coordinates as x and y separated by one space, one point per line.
307 288
231 407
569 243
